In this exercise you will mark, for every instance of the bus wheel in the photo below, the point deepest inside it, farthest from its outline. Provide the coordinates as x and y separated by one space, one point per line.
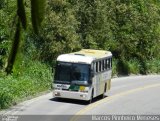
103 95
91 99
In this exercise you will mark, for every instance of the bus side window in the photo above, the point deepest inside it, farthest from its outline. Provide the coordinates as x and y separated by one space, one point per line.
96 67
108 63
103 65
100 66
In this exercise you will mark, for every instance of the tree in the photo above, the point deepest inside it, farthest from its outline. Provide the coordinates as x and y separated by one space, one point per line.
37 12
136 32
58 34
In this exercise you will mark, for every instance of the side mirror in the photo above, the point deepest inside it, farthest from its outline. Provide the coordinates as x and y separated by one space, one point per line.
92 74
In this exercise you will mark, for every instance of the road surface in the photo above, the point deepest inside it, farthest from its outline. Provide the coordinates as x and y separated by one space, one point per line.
136 95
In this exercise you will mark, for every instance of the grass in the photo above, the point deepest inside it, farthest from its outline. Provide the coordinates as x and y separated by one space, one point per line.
133 66
28 80
153 66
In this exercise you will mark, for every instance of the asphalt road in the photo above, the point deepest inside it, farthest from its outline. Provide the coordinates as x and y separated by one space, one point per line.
134 95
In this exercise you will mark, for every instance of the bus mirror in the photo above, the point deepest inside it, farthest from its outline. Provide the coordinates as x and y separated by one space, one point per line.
92 74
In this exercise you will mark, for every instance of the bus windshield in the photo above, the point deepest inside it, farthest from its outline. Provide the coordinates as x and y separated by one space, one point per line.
72 73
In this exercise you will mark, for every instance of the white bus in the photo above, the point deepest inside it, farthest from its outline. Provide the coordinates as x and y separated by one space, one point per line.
83 75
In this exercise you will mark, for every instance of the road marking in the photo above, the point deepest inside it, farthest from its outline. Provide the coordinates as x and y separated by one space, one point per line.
108 99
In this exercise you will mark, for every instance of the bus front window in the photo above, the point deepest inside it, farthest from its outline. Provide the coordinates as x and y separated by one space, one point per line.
63 73
72 73
80 72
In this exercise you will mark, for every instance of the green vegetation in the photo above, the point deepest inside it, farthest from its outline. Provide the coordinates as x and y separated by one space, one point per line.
31 39
33 78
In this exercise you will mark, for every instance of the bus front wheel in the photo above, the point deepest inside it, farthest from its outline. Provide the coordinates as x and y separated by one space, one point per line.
91 99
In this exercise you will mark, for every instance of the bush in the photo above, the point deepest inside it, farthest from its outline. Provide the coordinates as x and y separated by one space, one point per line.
114 68
133 66
153 66
124 67
34 78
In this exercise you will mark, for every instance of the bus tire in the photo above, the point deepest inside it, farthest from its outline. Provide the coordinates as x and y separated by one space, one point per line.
91 99
105 87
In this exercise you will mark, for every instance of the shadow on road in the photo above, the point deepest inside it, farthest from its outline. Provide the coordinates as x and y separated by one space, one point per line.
74 101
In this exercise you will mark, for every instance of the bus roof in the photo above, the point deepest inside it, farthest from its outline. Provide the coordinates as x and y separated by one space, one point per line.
84 56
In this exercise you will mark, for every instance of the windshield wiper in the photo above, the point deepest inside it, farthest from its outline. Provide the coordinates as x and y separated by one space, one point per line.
62 82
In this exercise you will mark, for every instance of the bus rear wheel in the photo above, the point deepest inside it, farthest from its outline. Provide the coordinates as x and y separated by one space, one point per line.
105 87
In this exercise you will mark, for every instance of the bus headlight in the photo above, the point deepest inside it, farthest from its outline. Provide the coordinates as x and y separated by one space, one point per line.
83 89
83 96
57 94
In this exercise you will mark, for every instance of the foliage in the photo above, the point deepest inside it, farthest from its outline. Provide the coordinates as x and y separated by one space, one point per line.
5 32
28 79
133 66
37 12
110 25
136 31
114 67
59 32
153 66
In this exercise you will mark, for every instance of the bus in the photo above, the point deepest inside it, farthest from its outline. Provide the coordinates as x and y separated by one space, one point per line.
83 75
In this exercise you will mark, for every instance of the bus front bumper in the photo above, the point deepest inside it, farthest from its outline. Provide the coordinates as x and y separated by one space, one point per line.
71 95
